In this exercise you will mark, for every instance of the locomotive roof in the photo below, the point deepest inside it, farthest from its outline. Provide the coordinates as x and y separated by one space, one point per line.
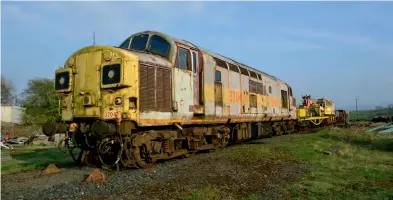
216 55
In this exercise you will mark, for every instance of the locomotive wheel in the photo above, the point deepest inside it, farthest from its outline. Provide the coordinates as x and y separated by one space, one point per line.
277 129
128 157
142 157
224 141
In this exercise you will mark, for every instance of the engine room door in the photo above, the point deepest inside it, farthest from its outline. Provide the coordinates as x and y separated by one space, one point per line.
218 96
195 71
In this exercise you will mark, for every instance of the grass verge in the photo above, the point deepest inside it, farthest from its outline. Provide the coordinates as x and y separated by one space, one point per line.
362 168
32 157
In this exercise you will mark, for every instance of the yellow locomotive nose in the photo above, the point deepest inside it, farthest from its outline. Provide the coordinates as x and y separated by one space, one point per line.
92 75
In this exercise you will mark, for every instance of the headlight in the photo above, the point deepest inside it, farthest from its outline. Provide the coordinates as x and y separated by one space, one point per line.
71 61
111 74
107 54
118 101
62 80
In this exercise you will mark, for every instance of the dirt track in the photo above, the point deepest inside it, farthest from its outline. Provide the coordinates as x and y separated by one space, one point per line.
235 172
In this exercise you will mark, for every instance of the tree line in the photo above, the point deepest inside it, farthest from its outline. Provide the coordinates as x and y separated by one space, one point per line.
39 98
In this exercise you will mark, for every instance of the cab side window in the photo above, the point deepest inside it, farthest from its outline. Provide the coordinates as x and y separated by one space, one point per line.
194 61
139 42
183 57
218 76
159 45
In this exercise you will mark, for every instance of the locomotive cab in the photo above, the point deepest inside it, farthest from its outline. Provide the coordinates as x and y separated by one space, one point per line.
96 82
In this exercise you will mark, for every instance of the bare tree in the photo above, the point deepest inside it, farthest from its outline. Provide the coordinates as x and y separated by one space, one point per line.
7 91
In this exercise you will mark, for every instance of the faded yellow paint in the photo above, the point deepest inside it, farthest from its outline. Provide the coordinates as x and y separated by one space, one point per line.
227 109
109 108
209 92
214 120
225 94
87 83
236 96
245 98
272 101
328 111
276 102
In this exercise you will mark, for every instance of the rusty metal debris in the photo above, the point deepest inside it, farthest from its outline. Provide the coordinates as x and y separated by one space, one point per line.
332 149
96 176
18 141
51 169
382 119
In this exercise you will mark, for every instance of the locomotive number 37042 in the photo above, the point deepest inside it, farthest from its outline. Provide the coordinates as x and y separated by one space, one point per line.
109 114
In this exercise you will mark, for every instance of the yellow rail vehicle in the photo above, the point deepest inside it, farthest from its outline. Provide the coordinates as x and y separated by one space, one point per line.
316 111
157 97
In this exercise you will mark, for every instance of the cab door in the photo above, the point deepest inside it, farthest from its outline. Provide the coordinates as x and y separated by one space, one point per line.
183 91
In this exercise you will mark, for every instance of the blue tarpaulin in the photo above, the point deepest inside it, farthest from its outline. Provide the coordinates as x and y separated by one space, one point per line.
389 130
378 127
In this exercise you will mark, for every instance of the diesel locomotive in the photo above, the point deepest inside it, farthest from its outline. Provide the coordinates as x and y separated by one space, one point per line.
155 97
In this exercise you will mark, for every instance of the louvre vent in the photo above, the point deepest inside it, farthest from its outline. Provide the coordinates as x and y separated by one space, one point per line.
155 88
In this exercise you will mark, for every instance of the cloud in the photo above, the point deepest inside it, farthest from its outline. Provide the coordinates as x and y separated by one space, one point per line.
16 13
77 20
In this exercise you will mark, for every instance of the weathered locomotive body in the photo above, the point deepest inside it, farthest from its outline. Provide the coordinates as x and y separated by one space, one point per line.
156 97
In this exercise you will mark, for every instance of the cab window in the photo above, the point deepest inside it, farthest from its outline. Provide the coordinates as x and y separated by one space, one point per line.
139 42
182 59
125 44
159 45
218 76
194 61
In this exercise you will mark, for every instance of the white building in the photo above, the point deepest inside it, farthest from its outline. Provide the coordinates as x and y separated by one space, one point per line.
11 114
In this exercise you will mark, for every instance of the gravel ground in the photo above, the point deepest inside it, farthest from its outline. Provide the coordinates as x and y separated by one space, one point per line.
235 172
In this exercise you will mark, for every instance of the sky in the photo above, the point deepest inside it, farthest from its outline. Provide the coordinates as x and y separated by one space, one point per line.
336 50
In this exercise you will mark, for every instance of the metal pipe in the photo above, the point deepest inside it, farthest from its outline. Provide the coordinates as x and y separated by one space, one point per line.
357 117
